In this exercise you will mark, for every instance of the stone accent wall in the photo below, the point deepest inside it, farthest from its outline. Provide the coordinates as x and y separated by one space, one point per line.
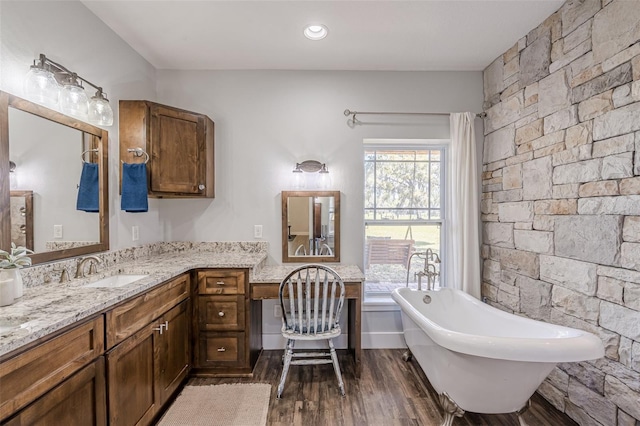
561 196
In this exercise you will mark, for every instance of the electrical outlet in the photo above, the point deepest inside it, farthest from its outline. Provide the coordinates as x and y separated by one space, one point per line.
277 311
257 231
135 233
57 231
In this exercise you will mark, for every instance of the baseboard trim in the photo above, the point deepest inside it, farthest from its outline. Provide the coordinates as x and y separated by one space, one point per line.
383 340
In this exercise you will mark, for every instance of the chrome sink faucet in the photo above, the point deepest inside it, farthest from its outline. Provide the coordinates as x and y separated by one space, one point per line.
92 267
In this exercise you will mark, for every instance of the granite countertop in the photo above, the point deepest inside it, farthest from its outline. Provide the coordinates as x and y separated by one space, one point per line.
275 274
47 308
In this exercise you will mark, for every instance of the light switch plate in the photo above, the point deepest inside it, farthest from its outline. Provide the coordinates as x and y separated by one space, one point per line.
135 233
257 231
57 231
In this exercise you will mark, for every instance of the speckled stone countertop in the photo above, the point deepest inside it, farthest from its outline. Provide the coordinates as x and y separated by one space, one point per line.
45 309
275 274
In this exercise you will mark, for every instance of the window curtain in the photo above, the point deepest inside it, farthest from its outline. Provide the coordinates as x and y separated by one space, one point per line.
462 266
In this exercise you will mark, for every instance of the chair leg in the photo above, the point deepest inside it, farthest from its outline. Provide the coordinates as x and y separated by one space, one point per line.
285 369
336 367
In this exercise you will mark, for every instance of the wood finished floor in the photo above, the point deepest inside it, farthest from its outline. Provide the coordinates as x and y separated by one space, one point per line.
389 392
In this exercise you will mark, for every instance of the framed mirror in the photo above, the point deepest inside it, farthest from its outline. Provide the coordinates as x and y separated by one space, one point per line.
42 154
310 226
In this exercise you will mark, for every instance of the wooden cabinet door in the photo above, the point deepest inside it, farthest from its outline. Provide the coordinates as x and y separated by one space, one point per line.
132 370
177 151
31 374
79 400
174 350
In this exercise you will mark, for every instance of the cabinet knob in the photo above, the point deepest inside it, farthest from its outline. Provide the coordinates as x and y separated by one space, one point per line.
201 187
222 349
220 314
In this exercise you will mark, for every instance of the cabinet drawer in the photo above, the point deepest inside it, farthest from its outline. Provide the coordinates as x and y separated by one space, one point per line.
218 313
221 349
221 282
124 320
34 372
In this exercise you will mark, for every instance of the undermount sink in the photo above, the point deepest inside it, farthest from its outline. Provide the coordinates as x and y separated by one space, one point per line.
116 281
9 324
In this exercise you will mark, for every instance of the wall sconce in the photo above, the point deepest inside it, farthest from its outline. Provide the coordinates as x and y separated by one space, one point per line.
12 175
311 174
52 84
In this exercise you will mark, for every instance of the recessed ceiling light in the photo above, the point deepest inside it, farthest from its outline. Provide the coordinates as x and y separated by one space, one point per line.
315 32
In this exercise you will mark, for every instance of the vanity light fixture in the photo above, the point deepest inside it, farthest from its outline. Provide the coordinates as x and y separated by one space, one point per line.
315 32
311 173
52 84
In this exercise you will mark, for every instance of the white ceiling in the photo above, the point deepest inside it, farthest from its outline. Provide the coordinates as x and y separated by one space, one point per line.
363 35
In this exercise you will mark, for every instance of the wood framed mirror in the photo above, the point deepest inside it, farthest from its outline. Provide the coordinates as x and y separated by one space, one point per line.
310 226
42 152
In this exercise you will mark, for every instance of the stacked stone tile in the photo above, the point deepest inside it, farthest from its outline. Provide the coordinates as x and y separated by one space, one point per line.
561 196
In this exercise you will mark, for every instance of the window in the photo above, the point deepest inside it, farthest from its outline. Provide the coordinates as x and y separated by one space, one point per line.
403 213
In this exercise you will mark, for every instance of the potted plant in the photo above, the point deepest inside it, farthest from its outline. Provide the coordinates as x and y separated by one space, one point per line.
11 263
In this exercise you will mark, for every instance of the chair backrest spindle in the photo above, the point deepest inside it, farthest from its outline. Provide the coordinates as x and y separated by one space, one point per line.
315 300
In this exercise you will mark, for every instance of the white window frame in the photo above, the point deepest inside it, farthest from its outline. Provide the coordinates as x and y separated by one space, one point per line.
412 145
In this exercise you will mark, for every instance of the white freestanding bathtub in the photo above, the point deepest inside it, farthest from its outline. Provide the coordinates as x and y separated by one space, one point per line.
479 358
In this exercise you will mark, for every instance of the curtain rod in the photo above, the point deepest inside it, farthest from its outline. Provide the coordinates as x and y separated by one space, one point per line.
348 112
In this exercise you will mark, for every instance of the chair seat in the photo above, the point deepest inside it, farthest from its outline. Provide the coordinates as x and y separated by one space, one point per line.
296 335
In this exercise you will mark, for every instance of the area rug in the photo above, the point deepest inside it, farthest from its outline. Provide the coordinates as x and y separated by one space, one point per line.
220 405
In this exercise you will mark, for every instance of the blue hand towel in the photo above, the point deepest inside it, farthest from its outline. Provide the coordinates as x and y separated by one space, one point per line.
89 189
134 188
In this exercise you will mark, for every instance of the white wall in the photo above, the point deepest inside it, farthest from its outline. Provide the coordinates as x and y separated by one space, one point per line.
266 121
70 34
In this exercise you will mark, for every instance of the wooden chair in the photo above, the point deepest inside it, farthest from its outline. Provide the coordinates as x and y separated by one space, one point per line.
311 297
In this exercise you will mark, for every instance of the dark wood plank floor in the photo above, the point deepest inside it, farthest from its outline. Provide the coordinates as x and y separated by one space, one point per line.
389 392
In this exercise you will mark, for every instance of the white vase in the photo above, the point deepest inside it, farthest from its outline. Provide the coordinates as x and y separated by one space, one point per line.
6 291
13 274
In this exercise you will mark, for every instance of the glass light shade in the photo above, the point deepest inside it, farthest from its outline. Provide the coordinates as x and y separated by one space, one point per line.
324 180
41 86
100 111
74 101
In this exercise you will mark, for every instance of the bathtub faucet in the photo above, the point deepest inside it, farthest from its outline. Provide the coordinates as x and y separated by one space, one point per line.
430 271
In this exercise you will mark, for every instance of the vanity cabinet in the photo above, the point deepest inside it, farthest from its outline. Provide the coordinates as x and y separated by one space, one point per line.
151 353
80 400
226 342
180 145
48 374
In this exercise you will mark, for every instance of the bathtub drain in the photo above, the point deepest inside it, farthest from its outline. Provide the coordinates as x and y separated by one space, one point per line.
426 299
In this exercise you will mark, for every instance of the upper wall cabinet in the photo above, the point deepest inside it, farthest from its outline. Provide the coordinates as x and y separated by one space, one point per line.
180 147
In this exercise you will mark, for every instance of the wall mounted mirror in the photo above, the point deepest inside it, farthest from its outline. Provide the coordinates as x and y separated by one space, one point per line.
45 151
310 226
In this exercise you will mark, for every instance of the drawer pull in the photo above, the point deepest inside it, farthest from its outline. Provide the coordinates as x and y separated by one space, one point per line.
220 314
222 349
166 325
220 283
160 328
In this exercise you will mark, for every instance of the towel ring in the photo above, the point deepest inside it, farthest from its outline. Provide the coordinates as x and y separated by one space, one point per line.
84 152
138 152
